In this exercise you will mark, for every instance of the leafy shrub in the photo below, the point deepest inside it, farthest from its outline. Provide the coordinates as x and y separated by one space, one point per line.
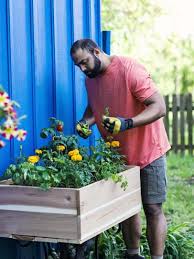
179 243
63 163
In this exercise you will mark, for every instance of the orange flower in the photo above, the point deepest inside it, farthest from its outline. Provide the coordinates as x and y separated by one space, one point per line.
33 159
60 148
73 152
38 151
115 143
76 157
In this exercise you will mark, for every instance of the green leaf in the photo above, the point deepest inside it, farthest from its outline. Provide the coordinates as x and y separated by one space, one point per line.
40 168
52 168
46 176
44 133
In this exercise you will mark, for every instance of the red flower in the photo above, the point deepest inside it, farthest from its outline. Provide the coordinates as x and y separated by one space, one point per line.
59 127
2 144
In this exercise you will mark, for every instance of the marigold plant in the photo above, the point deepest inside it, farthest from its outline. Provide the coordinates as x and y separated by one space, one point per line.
64 163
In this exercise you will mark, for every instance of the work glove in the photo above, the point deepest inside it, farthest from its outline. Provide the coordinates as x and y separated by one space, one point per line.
115 125
82 128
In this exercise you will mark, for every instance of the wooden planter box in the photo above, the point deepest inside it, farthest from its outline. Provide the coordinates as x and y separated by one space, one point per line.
66 214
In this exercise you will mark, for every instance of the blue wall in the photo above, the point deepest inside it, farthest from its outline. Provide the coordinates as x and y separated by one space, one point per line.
37 71
36 68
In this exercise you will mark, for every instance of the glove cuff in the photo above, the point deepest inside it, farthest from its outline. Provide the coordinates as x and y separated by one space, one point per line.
128 123
83 121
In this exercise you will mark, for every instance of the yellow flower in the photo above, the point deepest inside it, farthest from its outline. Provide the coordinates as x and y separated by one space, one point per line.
38 151
76 157
79 157
115 144
70 153
33 159
73 152
60 148
108 144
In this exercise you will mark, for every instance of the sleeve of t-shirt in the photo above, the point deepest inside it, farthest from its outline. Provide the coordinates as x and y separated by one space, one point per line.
87 92
140 82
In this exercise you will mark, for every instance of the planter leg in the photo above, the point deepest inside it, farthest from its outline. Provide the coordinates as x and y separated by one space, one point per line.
80 249
64 251
52 252
96 247
84 248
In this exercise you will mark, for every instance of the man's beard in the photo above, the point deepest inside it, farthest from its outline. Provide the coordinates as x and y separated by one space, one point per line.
97 68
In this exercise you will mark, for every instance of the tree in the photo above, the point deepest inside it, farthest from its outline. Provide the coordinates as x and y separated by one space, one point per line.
128 20
133 33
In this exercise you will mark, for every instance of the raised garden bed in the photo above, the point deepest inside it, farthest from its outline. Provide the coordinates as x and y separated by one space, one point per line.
67 215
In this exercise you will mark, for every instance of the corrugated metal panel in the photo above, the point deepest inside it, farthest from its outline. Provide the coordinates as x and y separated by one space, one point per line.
4 74
106 40
37 71
36 68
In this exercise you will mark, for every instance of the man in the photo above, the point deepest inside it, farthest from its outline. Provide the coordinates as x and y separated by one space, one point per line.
136 109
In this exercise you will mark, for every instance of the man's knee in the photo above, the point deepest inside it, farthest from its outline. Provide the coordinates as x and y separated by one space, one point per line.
132 222
153 210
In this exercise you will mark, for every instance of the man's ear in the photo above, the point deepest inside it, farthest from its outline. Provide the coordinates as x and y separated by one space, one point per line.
96 52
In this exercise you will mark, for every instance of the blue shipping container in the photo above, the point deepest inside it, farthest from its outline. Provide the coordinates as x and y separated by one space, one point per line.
37 72
36 68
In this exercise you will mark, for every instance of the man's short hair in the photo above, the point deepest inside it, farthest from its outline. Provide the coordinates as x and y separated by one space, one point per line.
87 44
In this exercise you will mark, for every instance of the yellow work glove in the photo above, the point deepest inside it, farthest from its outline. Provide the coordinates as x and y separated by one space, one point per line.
82 128
115 125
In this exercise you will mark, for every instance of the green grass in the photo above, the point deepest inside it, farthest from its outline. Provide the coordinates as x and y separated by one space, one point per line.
179 210
179 206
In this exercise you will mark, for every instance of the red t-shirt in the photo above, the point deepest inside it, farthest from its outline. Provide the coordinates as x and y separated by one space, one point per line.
123 87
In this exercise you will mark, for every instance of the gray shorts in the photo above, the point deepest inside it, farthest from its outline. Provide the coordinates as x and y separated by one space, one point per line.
154 182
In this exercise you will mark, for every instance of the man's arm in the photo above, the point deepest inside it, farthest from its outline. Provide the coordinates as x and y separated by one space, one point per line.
141 85
155 109
88 116
83 126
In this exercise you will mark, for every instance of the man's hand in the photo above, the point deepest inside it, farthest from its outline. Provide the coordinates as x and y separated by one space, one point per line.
115 125
82 128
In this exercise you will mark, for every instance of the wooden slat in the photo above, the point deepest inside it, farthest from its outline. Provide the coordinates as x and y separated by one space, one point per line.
110 214
190 122
174 124
186 147
38 224
103 192
40 209
182 128
6 182
108 204
34 196
67 215
166 118
182 123
43 239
